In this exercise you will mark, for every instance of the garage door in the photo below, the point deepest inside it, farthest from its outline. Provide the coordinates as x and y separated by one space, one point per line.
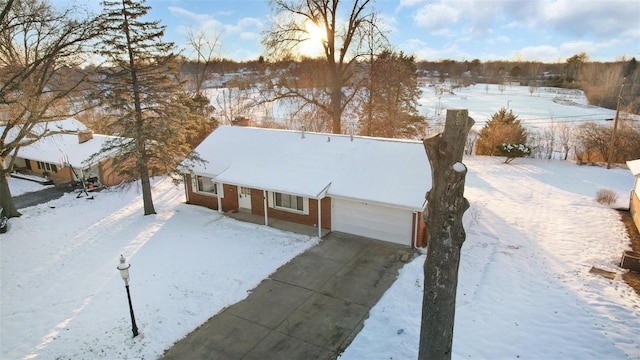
371 220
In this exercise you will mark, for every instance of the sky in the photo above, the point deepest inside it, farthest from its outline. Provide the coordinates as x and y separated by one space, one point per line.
530 30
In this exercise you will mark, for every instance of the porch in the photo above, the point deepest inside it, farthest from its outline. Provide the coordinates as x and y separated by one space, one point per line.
276 223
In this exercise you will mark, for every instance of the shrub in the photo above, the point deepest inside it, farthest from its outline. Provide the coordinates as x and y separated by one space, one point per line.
606 196
512 151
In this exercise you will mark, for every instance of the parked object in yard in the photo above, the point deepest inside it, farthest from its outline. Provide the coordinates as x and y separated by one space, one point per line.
630 260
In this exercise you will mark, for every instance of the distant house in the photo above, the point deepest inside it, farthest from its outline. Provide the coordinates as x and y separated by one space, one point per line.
371 187
634 201
65 157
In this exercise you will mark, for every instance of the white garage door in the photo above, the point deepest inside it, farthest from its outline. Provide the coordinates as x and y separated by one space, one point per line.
373 221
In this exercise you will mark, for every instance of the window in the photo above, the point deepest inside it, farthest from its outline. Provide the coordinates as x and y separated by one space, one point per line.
47 167
287 201
206 185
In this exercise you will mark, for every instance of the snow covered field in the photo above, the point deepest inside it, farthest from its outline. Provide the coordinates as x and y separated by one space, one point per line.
546 106
534 231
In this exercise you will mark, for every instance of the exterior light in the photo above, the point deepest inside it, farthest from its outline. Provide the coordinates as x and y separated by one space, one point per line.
123 267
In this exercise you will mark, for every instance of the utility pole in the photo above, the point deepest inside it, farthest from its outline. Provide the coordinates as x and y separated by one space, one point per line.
615 127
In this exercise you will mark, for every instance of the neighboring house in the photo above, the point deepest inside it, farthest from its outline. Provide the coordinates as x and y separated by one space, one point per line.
371 187
54 156
634 201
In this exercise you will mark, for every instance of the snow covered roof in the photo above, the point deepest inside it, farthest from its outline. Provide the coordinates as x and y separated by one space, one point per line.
388 171
53 148
68 125
634 166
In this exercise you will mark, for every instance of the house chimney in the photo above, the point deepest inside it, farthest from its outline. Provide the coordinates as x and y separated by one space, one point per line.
84 136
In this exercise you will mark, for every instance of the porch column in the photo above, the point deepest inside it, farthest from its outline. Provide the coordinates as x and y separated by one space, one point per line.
416 225
264 198
220 189
319 219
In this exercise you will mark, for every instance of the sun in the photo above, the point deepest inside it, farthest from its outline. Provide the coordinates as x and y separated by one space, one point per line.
315 37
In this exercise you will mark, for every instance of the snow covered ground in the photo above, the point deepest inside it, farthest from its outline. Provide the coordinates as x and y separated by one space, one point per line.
62 297
534 231
545 106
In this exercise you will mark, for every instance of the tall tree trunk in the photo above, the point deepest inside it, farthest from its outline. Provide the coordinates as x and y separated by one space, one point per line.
445 207
336 109
141 138
5 193
145 182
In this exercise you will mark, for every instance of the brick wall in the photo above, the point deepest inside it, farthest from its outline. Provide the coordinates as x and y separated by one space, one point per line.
257 208
62 174
421 240
230 202
634 208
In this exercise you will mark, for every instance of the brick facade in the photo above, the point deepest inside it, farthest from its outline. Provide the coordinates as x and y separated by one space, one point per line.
230 202
634 207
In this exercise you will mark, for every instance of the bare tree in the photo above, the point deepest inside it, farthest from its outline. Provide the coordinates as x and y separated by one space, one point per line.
40 49
344 26
502 87
564 138
204 48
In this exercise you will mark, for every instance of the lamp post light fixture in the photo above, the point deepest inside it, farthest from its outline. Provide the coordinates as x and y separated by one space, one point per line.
124 272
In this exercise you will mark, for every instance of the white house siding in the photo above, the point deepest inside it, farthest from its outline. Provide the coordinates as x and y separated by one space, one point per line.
372 220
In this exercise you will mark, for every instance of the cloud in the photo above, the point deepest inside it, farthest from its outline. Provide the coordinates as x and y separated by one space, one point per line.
544 53
474 17
592 18
437 16
420 49
410 3
183 13
597 51
580 18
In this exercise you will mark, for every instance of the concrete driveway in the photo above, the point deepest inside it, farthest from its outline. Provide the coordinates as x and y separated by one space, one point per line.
310 308
41 196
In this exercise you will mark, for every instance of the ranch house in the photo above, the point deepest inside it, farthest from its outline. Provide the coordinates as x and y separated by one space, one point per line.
371 187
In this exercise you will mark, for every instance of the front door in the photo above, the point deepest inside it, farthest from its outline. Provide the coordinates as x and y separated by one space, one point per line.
244 197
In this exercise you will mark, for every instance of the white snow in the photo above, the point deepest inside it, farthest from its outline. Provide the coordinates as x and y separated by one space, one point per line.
20 186
62 296
54 148
544 107
534 230
314 163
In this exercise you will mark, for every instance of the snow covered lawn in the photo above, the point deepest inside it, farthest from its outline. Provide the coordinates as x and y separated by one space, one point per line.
534 231
62 297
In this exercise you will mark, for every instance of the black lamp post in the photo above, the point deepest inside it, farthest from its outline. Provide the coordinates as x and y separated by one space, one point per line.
124 272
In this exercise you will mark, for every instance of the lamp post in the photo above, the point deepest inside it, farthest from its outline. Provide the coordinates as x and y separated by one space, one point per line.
124 272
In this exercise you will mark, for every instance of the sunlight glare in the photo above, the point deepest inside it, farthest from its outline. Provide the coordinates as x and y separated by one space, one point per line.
312 46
